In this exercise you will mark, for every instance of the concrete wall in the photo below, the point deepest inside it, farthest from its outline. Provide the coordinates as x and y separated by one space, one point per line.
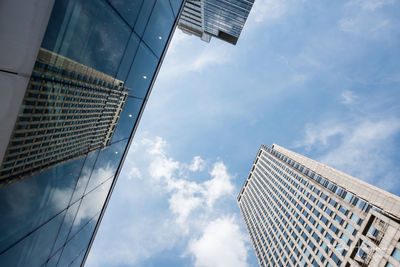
22 27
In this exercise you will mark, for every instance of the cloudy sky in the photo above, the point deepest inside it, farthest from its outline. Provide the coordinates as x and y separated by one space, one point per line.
319 77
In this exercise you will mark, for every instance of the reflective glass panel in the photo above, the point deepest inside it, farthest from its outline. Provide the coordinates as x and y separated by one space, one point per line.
90 32
39 198
158 28
176 4
65 227
144 15
84 176
52 262
129 9
91 205
34 249
77 243
127 119
141 72
106 164
128 57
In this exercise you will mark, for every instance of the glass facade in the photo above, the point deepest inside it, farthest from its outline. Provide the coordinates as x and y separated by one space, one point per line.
93 75
223 19
297 217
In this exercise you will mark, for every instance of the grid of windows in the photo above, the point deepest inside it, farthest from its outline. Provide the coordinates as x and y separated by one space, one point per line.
223 19
295 219
50 218
69 110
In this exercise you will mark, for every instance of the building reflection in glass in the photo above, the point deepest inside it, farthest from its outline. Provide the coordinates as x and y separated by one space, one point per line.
75 125
69 110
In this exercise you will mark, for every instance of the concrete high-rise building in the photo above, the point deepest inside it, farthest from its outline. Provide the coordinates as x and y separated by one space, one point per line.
68 117
300 212
223 19
68 111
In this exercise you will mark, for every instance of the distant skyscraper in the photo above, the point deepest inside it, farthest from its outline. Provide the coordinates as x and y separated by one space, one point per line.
68 110
300 212
223 19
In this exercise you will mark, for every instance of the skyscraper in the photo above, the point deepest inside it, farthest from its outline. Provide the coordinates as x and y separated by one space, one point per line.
68 110
75 77
223 19
300 212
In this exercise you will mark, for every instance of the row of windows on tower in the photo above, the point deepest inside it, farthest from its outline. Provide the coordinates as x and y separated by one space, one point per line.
336 217
69 74
341 192
308 228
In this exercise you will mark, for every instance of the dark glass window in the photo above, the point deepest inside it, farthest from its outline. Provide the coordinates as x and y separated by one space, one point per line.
158 29
129 9
40 198
35 248
127 119
94 36
106 164
143 16
127 60
141 72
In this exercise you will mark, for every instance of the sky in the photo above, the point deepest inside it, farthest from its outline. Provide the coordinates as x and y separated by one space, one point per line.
321 78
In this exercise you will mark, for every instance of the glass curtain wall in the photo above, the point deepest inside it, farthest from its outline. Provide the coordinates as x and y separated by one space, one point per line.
98 64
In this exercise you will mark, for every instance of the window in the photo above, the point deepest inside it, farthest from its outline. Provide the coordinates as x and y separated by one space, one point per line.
333 203
345 239
338 219
336 259
396 254
343 210
334 229
351 229
356 219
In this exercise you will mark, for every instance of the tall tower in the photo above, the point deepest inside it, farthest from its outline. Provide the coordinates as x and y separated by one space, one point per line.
301 212
223 19
69 110
68 117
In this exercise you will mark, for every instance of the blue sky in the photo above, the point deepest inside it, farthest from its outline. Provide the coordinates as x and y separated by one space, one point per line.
319 77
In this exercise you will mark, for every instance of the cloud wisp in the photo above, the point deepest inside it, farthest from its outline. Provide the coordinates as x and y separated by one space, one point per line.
202 55
175 209
367 20
361 147
348 97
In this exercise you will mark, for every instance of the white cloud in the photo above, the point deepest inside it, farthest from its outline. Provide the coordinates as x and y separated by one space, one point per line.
221 244
186 196
367 20
134 173
370 5
320 134
361 147
219 185
267 10
201 56
209 56
348 97
191 208
197 164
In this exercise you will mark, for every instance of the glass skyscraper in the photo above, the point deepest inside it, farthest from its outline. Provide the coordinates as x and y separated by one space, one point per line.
223 19
75 76
63 103
300 212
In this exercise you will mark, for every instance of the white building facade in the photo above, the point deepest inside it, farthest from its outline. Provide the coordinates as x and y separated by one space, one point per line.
300 212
